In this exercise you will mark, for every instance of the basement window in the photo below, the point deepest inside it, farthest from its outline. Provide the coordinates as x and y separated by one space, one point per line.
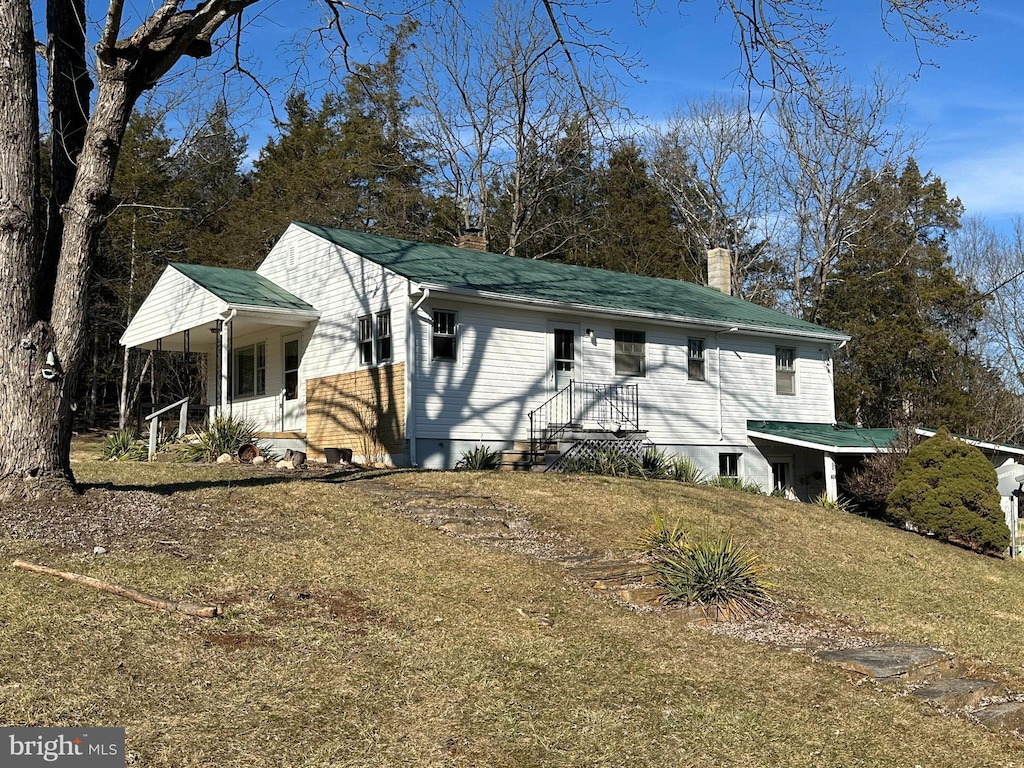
729 465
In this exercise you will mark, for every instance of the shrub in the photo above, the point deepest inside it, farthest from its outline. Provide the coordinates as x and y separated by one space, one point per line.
480 457
735 484
712 571
839 505
124 445
655 464
685 471
221 434
869 485
947 488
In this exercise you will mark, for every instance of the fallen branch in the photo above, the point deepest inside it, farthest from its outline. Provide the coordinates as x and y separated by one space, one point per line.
192 609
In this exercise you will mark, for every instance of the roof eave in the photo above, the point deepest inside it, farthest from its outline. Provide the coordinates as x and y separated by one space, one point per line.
715 325
854 450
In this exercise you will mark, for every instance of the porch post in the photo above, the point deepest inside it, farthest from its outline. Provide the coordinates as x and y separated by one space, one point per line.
831 478
225 359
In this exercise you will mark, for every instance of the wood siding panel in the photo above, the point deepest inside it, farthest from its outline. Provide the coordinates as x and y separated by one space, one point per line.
362 410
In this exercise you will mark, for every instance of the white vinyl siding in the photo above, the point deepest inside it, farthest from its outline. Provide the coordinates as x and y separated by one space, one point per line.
175 304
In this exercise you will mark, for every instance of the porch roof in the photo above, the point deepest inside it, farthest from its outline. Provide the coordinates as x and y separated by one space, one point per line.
193 298
241 288
831 438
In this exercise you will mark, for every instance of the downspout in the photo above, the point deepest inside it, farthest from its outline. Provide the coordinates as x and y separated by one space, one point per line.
410 375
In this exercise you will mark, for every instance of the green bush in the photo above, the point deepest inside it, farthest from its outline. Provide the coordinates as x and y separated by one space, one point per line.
124 445
480 457
655 464
947 488
735 484
711 571
221 434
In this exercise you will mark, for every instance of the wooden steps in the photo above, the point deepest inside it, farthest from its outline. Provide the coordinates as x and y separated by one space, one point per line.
522 458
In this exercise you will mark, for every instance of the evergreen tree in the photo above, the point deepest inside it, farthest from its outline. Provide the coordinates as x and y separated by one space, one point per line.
896 294
635 231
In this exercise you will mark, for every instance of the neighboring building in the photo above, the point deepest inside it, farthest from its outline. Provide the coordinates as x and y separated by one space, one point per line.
412 353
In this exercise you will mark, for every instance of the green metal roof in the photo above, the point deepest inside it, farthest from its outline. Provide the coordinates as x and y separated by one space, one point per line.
242 287
534 280
832 437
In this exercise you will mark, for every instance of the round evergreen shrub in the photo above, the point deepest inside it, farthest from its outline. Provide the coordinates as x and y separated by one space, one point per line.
948 488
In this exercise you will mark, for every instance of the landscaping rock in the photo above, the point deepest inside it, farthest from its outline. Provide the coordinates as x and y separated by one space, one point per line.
285 464
98 550
893 663
475 527
611 574
1008 715
957 692
643 597
259 460
224 458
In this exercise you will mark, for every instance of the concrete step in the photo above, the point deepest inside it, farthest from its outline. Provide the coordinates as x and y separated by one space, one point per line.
524 445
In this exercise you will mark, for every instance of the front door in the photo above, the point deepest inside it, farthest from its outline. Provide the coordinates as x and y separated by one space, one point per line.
293 414
782 475
565 362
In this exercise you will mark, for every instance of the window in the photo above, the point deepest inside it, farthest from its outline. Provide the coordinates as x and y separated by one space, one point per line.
695 359
443 335
250 370
785 371
365 340
291 369
374 337
629 352
383 336
729 464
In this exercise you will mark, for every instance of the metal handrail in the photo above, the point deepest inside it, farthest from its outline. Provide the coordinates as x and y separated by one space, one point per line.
154 422
618 403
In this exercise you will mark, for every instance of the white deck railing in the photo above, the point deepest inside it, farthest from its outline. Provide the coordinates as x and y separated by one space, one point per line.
154 422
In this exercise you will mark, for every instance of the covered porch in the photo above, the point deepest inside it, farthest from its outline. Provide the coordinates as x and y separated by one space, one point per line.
249 329
826 450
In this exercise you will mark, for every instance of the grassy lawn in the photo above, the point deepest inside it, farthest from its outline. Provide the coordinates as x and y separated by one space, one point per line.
356 637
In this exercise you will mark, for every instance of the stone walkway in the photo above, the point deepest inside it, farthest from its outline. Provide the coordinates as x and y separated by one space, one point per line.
931 675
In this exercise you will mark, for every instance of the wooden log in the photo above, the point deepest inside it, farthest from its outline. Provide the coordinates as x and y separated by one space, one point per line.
192 609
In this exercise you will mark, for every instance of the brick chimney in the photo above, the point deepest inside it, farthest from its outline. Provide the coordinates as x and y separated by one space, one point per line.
720 270
472 240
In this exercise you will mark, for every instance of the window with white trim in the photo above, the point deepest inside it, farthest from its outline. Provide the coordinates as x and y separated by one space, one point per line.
383 330
443 339
250 370
785 371
630 352
373 338
728 465
365 339
695 370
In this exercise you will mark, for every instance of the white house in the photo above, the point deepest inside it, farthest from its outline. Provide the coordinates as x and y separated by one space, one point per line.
413 353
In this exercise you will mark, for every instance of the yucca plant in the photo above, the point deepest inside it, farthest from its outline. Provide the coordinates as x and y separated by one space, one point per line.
840 504
480 457
659 535
685 471
124 445
714 572
656 464
736 484
221 434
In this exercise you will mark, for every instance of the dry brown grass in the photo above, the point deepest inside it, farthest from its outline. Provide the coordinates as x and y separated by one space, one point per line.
355 637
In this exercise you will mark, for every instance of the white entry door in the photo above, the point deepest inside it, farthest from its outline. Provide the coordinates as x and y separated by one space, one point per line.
565 363
293 410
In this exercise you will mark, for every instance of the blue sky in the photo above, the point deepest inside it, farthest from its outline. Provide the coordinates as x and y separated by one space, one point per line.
969 109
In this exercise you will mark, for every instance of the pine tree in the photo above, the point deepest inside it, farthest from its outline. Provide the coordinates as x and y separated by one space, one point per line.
896 294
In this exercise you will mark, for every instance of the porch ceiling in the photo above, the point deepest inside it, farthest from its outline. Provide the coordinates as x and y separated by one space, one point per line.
830 438
203 336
